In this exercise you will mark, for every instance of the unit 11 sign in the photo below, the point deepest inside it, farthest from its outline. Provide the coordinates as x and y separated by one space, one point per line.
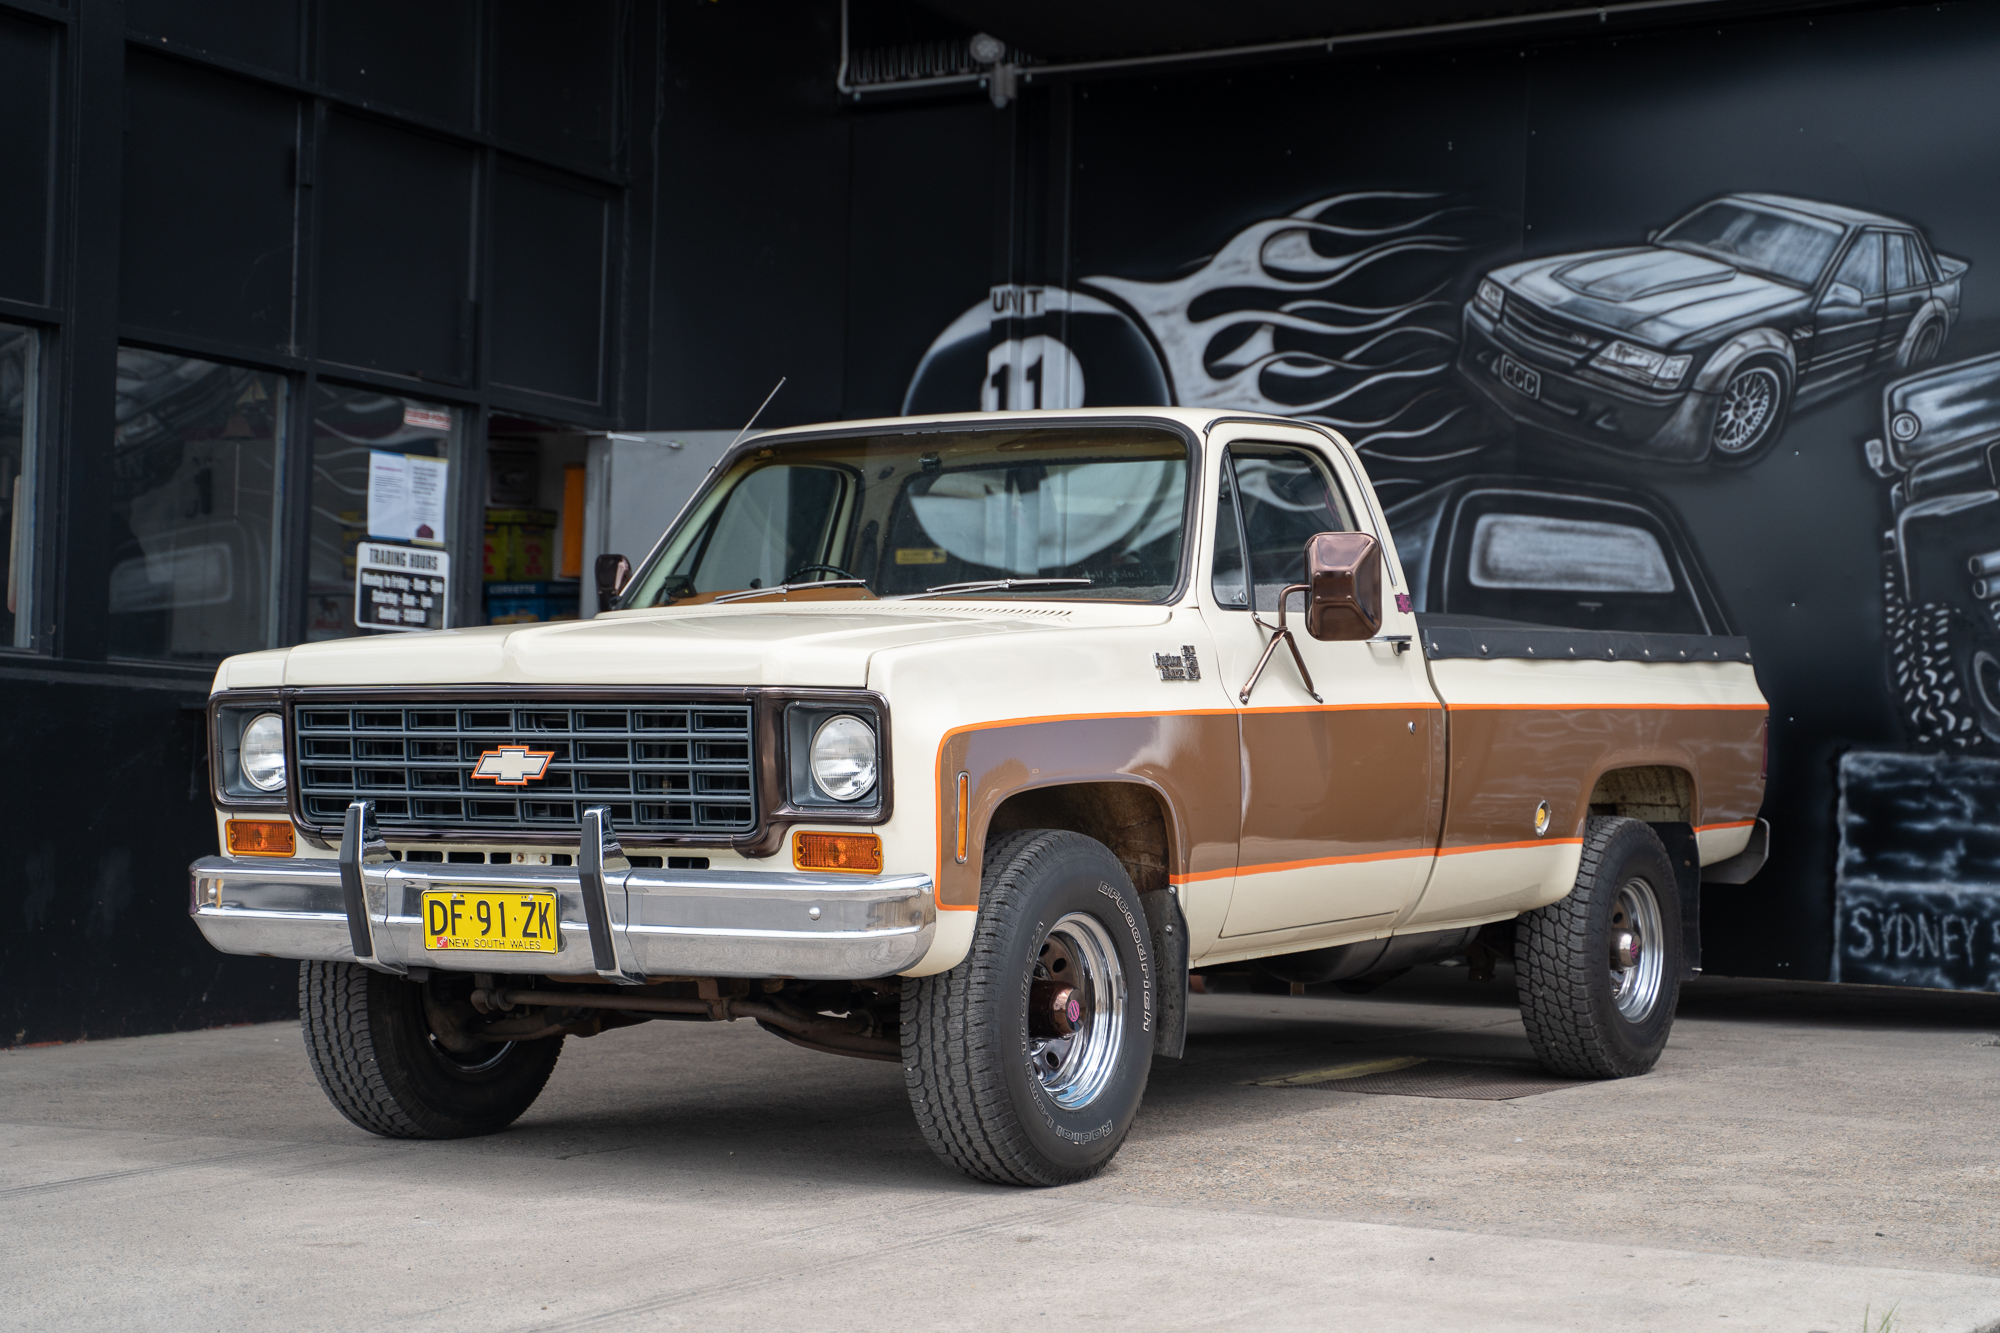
399 587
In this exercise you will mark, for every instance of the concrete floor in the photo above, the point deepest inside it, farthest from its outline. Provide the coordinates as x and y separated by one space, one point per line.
1803 1155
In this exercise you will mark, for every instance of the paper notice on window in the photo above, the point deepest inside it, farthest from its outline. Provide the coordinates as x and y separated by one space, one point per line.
406 496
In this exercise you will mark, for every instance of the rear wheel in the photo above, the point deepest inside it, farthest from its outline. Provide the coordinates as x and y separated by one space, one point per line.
1599 971
400 1058
1925 346
1027 1061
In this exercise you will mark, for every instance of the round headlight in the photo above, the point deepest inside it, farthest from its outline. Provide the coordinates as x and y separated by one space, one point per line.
263 752
844 758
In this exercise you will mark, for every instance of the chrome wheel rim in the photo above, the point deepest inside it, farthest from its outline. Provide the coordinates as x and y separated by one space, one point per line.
1076 1011
1749 401
1638 958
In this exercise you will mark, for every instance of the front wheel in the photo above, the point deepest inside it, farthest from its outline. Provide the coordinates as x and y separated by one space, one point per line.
1026 1062
1599 971
402 1059
1947 669
1750 411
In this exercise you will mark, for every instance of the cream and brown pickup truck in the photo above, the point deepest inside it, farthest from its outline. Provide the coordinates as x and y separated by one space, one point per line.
958 741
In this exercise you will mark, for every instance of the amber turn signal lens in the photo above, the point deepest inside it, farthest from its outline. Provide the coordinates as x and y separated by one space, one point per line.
964 815
260 837
860 853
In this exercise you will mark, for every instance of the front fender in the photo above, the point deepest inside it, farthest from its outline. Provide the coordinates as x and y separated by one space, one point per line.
1723 361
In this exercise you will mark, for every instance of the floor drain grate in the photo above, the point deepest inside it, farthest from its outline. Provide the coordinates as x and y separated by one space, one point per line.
1410 1076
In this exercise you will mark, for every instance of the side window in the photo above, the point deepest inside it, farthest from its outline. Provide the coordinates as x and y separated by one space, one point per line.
1900 273
1288 496
1862 269
1922 267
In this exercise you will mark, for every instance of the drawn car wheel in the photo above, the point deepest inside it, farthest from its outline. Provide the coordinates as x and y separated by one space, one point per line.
1924 348
399 1058
1750 411
1026 1062
1599 971
1947 670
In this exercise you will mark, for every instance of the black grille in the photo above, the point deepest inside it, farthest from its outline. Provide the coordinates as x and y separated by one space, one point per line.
679 768
1543 332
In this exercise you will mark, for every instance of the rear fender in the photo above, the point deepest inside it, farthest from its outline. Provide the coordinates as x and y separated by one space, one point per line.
1932 311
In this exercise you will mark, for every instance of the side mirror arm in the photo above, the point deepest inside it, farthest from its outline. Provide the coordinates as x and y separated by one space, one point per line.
1280 633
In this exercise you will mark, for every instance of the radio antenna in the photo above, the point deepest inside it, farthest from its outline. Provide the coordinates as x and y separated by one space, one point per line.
758 413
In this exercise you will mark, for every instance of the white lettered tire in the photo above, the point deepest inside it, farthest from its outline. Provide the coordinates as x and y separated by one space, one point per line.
1026 1062
1598 972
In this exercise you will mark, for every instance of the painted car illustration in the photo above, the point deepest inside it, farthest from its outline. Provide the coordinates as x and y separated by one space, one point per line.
1553 553
1696 345
1940 447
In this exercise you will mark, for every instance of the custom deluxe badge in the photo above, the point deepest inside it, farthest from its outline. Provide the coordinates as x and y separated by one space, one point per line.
1178 666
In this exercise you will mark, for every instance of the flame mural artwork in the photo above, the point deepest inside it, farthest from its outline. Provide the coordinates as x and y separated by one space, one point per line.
1590 411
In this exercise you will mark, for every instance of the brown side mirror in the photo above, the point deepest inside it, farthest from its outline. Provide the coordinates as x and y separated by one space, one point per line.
613 573
1343 586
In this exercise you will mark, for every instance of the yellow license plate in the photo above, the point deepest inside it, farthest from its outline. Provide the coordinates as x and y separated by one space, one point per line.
502 922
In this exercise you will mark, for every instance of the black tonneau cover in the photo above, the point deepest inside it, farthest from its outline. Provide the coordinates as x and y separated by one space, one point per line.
1478 636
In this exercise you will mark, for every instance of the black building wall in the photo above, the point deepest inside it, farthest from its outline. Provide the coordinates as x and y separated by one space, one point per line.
640 213
270 220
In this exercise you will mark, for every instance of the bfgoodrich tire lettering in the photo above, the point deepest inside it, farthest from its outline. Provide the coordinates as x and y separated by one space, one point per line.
373 1045
995 1093
1586 1015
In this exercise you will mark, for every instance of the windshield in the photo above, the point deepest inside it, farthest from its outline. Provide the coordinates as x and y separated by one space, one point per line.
911 512
1790 248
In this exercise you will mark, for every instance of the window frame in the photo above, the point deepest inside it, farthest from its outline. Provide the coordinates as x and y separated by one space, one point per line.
1358 514
26 536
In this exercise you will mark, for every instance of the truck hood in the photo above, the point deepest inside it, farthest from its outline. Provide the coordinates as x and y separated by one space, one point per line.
823 644
1665 298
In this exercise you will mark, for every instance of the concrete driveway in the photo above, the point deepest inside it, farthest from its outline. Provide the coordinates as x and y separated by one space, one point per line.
1802 1157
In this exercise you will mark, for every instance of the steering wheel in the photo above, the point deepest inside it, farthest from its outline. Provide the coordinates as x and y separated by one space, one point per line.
808 569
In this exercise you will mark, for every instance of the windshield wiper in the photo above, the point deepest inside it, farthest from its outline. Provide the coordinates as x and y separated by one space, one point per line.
996 585
787 587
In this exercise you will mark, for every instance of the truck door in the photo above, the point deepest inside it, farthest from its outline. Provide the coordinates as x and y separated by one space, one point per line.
1848 322
1341 794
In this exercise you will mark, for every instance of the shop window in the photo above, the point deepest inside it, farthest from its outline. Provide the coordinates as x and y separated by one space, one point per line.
395 250
533 562
27 86
549 270
19 373
422 58
257 32
408 507
557 77
194 470
206 242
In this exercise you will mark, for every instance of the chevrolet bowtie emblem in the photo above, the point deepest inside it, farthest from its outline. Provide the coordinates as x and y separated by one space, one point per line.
513 765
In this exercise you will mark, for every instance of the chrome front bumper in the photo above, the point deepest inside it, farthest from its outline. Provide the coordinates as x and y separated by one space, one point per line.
704 923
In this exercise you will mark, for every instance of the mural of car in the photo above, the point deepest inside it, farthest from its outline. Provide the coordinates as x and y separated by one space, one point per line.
1940 447
1695 345
1553 553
